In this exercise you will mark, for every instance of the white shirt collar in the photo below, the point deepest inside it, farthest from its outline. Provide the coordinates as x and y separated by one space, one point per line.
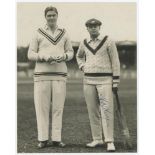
100 37
47 28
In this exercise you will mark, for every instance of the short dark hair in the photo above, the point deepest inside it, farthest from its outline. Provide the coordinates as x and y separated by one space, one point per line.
51 8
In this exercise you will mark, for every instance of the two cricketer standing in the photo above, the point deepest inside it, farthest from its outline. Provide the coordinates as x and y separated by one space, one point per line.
50 48
98 58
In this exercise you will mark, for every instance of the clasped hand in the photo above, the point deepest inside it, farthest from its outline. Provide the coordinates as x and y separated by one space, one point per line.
52 59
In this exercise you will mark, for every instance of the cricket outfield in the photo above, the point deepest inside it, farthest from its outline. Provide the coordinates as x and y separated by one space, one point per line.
76 128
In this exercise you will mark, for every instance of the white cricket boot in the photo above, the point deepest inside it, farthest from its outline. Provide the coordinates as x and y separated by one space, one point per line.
95 143
110 147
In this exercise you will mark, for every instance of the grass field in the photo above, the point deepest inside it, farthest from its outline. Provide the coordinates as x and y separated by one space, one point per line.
76 128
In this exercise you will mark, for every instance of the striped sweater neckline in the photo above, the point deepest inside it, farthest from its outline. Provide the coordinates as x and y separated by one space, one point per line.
55 40
94 51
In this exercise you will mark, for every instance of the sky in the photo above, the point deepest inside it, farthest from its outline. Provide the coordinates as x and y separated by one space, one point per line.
118 19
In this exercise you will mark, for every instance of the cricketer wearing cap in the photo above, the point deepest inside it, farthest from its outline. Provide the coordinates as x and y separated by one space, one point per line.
98 58
50 48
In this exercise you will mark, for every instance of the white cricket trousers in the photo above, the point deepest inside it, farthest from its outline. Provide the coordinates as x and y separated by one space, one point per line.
99 100
45 93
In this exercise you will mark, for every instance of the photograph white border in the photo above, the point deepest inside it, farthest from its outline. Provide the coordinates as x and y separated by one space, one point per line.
146 76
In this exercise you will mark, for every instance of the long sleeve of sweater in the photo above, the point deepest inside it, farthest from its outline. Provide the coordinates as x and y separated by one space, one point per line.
68 48
80 56
33 49
114 61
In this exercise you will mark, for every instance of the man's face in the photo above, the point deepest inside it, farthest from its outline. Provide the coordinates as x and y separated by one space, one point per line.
93 29
51 17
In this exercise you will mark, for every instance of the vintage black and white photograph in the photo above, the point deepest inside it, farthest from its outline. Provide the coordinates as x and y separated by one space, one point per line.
76 77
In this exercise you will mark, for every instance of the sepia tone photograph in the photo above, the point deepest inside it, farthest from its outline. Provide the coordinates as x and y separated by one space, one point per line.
76 77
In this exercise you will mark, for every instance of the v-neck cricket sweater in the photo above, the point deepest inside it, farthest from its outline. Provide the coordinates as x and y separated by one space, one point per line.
99 60
46 43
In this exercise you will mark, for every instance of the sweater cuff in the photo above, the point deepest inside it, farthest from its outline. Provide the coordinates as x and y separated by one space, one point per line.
68 55
65 57
80 66
39 58
116 79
